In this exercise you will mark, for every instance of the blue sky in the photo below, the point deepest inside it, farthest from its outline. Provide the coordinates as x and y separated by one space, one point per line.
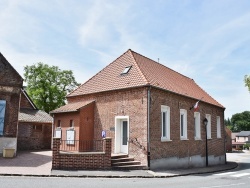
207 40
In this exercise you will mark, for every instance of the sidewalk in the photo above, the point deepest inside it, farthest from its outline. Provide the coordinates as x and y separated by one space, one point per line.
38 163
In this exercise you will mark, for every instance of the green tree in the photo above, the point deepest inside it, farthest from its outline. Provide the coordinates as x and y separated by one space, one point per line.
48 85
247 81
240 121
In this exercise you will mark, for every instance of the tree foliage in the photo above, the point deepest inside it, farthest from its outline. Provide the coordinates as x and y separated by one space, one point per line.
228 123
48 85
247 81
239 122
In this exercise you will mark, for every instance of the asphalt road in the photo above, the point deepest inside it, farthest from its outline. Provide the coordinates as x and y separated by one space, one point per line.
239 177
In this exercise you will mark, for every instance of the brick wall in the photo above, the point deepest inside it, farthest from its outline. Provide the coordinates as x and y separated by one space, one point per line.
11 111
33 136
177 148
10 89
65 123
81 160
132 103
24 103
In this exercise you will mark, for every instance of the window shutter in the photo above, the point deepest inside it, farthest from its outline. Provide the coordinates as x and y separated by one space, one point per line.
2 114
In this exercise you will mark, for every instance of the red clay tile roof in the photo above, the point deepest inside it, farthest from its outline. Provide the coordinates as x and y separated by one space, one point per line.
71 107
144 72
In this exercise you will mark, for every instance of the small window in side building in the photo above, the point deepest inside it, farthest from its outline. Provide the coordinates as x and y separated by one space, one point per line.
59 123
71 123
126 70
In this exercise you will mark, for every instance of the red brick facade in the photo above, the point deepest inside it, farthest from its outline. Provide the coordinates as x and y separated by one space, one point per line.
25 103
10 89
132 103
177 148
229 146
34 136
81 161
129 93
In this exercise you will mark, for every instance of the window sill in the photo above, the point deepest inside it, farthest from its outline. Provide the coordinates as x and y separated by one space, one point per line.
184 139
209 138
197 139
165 140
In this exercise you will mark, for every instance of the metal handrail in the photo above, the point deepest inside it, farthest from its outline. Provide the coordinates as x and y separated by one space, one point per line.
82 145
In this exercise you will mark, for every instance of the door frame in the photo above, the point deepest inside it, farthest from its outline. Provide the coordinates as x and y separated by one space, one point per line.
118 121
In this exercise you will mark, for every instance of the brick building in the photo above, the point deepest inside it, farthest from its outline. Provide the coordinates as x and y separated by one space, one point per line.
228 138
240 139
34 126
10 90
22 125
145 108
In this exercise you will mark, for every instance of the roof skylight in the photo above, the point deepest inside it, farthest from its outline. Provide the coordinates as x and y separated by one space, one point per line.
126 70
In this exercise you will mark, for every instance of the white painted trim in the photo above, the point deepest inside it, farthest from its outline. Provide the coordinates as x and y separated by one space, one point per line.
218 127
209 128
165 109
117 131
184 113
197 125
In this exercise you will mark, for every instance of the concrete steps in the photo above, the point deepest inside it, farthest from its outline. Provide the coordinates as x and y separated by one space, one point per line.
124 162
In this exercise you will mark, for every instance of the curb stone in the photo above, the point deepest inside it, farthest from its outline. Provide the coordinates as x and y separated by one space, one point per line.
152 174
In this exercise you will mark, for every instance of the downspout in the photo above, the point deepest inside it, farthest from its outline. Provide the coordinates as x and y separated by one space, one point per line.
52 136
148 126
225 139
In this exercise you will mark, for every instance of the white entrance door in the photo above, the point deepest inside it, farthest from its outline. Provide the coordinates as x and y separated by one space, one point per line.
124 136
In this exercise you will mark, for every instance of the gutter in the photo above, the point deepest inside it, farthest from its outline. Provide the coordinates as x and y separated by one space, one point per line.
148 125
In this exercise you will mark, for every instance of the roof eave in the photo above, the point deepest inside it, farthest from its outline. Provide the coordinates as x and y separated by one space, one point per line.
42 122
59 112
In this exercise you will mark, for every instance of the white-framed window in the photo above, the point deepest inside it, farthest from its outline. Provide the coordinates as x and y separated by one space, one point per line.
208 116
165 123
218 127
183 124
197 126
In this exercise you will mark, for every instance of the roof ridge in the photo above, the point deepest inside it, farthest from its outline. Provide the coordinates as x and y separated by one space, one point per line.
144 77
160 64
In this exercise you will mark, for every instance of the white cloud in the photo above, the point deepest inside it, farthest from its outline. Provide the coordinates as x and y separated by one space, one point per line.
205 42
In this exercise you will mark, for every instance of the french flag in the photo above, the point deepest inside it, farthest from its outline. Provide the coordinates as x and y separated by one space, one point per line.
196 106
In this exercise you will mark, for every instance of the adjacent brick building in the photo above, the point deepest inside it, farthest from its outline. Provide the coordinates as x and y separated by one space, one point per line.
145 108
10 90
22 125
34 126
